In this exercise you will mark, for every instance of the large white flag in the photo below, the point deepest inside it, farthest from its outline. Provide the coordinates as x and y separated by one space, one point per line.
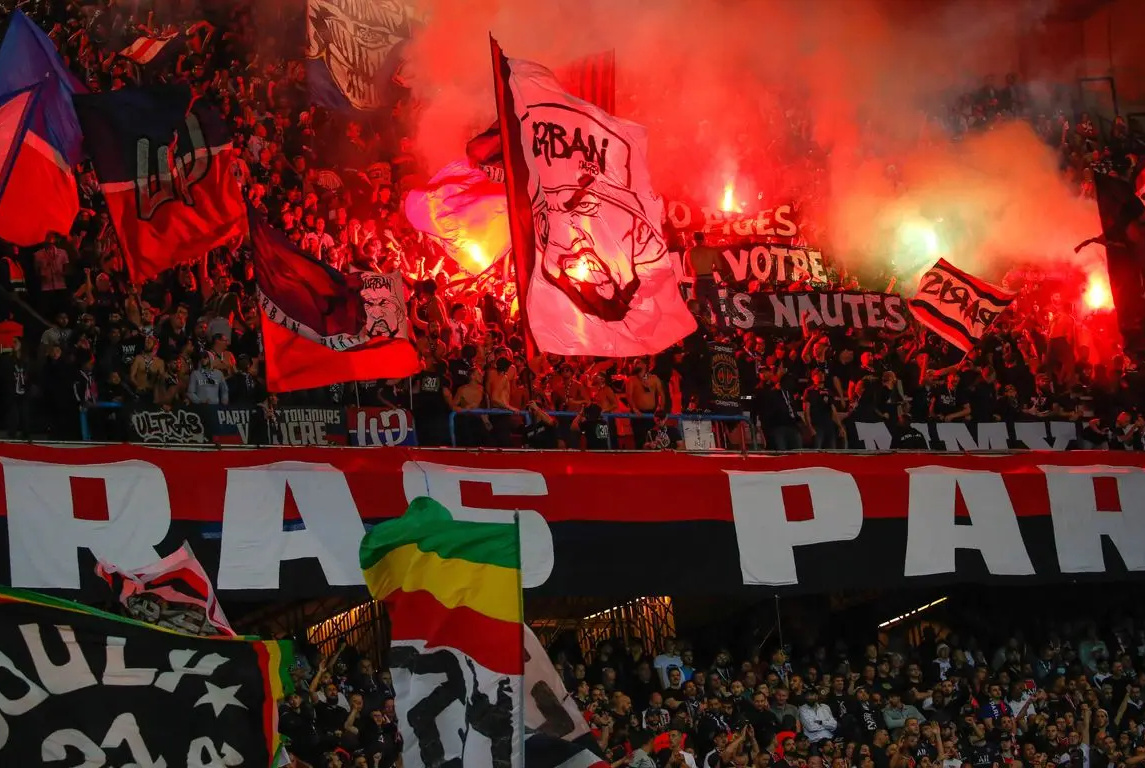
548 706
593 270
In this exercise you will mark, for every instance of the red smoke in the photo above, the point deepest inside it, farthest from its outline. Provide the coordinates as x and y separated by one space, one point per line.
729 89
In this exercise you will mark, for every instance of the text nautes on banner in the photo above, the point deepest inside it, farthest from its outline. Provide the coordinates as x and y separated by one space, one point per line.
816 310
282 519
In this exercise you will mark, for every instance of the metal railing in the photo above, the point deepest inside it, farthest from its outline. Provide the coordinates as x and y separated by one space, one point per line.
751 434
609 417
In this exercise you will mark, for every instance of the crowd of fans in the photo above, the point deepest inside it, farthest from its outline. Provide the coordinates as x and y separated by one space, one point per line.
1070 697
335 185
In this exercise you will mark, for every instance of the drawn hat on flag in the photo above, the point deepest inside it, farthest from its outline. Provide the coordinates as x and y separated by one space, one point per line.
598 240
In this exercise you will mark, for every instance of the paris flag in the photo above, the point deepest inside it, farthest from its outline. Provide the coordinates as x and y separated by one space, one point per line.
956 305
594 276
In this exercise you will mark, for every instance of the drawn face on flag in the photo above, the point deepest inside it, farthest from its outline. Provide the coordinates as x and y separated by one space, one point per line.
385 313
355 39
595 240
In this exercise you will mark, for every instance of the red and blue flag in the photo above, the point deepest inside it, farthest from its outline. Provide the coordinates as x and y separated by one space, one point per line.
164 165
40 138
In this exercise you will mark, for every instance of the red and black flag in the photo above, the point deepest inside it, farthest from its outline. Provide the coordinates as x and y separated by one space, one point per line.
957 305
1123 235
164 165
156 50
174 592
320 326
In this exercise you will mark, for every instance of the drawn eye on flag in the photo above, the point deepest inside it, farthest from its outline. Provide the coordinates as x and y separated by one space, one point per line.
354 49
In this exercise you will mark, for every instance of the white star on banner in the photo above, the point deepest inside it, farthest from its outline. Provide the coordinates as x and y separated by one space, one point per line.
220 698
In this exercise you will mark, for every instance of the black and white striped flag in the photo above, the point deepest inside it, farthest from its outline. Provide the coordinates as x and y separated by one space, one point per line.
956 305
150 50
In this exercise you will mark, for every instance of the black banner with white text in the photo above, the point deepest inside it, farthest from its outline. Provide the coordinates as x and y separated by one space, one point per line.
89 688
973 436
773 264
817 310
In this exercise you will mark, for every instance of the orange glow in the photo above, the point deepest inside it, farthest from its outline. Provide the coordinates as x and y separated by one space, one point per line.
729 202
474 257
579 272
1097 294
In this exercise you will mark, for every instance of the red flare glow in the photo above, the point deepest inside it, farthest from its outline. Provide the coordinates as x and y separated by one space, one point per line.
1097 293
728 204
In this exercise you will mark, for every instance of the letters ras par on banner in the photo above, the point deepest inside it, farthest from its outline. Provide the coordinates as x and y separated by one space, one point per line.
281 520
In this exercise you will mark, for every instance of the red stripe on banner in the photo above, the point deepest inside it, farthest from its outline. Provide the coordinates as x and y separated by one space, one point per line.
494 644
944 326
559 486
269 705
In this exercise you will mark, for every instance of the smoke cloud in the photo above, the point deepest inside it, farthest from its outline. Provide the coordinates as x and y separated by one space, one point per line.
723 85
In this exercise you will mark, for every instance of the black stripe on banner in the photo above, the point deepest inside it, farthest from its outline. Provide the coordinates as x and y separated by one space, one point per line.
627 560
983 289
942 324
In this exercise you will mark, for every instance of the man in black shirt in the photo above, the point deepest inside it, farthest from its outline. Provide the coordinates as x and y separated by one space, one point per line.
819 413
947 403
173 334
541 431
1041 403
983 396
431 402
593 427
781 416
870 720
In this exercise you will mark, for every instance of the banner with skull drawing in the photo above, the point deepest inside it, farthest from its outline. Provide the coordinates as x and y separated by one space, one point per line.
354 51
594 273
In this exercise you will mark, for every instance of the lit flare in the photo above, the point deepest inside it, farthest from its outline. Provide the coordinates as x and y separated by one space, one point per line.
1097 293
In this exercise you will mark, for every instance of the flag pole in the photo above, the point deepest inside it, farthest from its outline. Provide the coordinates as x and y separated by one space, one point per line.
521 234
